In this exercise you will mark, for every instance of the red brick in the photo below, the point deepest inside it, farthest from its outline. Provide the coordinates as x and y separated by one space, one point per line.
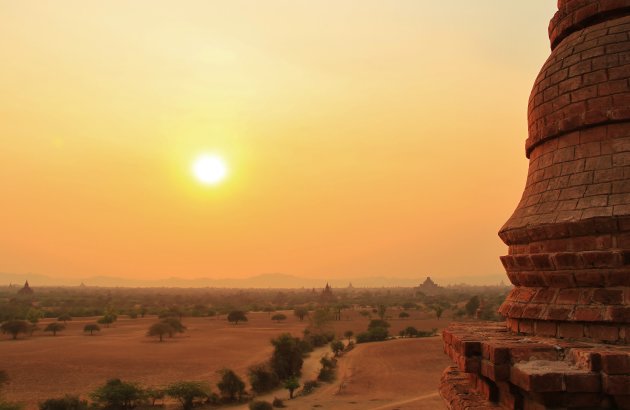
618 384
569 330
615 363
583 382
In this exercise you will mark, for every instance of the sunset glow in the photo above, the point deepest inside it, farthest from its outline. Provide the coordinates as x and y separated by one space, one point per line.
350 134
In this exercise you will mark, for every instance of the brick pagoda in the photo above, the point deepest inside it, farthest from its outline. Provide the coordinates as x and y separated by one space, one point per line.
566 341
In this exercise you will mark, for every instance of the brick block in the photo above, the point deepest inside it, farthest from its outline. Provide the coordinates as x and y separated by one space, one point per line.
583 382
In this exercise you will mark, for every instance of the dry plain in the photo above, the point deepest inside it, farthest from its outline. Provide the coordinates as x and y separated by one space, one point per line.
45 366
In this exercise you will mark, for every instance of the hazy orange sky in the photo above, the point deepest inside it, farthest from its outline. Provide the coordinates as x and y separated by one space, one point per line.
362 137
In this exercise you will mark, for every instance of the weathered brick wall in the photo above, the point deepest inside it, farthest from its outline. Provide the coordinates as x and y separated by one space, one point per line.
569 238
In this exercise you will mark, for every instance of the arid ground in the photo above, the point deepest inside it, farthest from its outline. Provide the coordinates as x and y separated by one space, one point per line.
378 374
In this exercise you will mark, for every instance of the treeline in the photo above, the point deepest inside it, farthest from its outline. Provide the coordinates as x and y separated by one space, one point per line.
86 302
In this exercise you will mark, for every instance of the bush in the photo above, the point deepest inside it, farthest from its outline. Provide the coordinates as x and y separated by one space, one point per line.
236 316
262 378
337 347
279 317
116 394
409 332
309 386
403 315
260 405
326 375
277 402
230 385
64 403
187 392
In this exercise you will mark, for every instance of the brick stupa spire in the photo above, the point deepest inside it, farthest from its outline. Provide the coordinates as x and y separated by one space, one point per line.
568 317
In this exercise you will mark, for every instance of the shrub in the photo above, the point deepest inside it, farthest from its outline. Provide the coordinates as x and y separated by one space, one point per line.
64 403
279 317
230 385
116 394
309 386
403 315
409 331
260 405
337 347
291 384
187 392
262 378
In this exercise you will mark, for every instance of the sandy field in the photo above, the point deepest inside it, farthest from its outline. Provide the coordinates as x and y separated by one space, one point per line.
398 374
45 366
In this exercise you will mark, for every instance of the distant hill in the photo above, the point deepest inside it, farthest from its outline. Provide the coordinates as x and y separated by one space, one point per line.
266 280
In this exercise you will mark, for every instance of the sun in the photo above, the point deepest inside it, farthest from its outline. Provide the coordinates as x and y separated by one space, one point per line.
209 169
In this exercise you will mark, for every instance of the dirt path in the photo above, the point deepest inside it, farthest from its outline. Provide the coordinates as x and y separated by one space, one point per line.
394 375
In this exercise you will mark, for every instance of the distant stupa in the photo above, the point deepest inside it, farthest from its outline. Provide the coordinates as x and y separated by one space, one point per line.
327 294
26 290
428 287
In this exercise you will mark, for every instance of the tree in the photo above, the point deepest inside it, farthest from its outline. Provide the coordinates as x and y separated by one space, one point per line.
15 327
54 328
378 323
64 403
187 392
286 359
64 318
300 312
348 334
262 378
236 316
155 394
403 315
291 384
175 324
472 305
438 311
116 394
33 315
320 317
230 384
278 317
409 332
107 319
160 329
93 327
337 347
382 310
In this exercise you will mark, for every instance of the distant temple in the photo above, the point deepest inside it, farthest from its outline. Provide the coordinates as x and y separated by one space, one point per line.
327 294
26 290
428 287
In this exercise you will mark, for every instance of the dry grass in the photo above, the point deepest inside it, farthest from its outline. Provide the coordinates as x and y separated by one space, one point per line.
43 366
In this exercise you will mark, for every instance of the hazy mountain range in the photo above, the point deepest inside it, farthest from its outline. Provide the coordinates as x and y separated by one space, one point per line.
268 280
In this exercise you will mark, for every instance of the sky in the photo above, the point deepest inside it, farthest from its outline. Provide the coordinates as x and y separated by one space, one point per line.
362 138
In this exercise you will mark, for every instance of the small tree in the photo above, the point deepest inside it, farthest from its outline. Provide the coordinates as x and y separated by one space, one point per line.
403 315
291 384
64 318
160 329
438 311
92 327
472 305
348 334
54 328
236 316
230 384
175 324
382 310
64 403
337 347
155 394
188 392
107 320
15 327
300 312
33 315
278 317
286 359
262 378
116 394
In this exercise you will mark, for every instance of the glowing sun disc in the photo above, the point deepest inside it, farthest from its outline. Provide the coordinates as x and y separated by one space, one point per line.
209 169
